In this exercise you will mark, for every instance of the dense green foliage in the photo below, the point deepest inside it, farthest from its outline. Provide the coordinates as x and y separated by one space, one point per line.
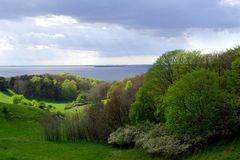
194 103
82 98
68 89
17 99
54 87
170 67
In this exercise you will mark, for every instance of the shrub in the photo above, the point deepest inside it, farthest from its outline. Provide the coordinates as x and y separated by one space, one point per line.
17 99
82 98
42 105
167 145
124 136
153 139
159 140
194 103
6 112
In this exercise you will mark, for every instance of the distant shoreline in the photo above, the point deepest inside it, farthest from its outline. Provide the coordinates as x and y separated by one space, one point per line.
43 66
100 72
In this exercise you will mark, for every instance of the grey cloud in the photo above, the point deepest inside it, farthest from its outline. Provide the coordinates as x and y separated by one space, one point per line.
152 14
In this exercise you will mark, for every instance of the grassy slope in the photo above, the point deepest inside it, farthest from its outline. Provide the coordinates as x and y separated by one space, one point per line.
5 97
21 139
224 150
20 112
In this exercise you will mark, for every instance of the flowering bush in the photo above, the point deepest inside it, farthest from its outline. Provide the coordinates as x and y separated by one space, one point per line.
124 136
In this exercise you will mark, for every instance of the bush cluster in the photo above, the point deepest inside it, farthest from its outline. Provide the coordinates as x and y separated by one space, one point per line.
20 99
156 140
124 136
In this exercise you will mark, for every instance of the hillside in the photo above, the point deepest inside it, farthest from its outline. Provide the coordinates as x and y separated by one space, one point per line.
22 131
19 112
21 138
5 97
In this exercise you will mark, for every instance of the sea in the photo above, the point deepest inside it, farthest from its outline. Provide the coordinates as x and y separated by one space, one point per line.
100 72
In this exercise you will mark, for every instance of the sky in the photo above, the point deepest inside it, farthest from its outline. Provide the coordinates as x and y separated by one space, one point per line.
90 32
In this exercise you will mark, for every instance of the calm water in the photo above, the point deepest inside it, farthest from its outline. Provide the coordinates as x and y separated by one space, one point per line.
107 73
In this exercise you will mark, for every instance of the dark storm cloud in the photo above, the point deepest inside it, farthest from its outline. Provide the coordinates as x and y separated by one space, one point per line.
152 14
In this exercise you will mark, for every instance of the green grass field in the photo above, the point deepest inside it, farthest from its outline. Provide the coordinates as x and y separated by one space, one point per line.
5 97
21 139
224 150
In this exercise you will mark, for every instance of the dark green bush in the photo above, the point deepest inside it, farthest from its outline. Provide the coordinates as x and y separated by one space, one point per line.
6 112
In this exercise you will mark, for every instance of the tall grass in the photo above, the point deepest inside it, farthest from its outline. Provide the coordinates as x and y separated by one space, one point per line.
73 128
51 125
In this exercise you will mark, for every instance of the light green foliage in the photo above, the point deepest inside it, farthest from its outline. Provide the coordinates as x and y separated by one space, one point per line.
157 80
128 85
186 62
6 96
34 103
154 86
17 99
21 112
69 89
36 81
193 103
81 98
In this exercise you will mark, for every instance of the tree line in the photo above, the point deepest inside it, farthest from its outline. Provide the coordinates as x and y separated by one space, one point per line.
53 87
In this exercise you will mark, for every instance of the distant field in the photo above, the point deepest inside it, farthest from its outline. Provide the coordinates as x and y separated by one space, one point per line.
5 97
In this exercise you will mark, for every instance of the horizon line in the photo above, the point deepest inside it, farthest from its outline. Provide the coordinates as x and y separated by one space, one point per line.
54 65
